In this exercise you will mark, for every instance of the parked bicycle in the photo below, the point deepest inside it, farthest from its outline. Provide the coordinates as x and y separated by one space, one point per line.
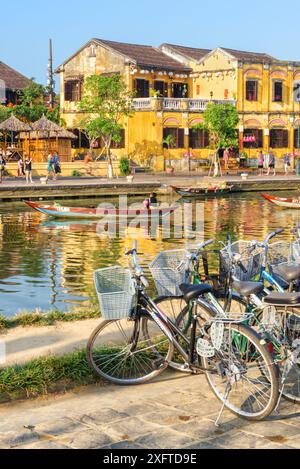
137 341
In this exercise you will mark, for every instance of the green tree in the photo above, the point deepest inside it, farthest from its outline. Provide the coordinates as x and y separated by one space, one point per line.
221 121
106 101
32 104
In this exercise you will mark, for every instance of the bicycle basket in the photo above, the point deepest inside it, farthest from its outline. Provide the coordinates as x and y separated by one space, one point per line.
279 253
251 261
116 292
169 271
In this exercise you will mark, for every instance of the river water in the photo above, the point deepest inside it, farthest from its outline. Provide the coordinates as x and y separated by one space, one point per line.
46 265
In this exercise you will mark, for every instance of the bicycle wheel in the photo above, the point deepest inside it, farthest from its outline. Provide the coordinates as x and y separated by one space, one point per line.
242 374
286 331
129 351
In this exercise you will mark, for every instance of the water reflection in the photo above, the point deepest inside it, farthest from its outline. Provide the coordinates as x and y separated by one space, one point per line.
48 263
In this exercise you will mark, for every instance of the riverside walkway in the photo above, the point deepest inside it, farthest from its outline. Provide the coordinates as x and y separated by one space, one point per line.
13 189
175 411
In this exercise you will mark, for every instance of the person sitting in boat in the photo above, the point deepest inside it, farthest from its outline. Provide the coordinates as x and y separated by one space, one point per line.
152 202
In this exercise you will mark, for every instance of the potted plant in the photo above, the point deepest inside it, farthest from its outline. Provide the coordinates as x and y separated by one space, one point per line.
169 169
125 168
169 141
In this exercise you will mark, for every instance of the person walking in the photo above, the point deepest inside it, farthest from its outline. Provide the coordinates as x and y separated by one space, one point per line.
287 163
28 169
50 167
2 166
260 161
21 172
56 166
226 159
271 163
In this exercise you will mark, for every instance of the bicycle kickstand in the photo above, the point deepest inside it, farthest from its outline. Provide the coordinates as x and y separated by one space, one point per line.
226 394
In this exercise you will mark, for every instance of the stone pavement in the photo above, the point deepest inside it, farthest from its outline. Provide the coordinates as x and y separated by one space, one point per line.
176 411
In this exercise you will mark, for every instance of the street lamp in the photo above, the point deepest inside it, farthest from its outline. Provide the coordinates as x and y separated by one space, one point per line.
298 147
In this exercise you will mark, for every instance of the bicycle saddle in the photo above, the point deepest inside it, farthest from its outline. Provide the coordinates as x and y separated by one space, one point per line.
288 272
191 292
283 299
248 288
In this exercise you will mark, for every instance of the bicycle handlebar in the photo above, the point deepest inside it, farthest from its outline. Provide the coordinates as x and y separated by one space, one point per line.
138 271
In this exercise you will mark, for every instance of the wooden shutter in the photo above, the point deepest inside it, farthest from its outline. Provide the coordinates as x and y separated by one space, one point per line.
192 138
68 91
206 139
180 138
285 138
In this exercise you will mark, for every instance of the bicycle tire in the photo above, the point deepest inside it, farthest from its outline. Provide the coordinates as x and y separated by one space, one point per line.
111 353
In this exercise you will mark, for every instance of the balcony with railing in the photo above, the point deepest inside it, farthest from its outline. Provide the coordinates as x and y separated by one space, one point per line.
175 104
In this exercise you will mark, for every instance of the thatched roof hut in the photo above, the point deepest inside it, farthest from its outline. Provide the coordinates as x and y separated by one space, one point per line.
45 125
42 143
12 124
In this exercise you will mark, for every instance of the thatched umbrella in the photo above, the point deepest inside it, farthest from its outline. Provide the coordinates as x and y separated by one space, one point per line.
13 125
45 125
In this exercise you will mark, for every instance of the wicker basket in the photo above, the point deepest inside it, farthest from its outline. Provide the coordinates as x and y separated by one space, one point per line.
251 261
116 292
169 271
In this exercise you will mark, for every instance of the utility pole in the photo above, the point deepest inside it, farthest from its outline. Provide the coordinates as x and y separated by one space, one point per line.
51 82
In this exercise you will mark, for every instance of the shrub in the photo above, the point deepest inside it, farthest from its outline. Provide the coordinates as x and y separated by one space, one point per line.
124 167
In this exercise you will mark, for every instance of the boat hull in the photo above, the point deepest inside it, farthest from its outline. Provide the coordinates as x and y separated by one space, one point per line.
201 192
282 202
92 213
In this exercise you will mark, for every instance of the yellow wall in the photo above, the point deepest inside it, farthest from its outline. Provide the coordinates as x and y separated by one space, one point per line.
217 76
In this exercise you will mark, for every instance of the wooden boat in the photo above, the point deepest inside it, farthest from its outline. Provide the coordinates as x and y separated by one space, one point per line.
58 211
282 202
202 191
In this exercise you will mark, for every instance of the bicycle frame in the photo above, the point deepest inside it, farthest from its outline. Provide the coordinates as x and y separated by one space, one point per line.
169 328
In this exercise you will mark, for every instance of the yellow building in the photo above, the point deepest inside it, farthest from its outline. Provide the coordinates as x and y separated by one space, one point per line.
174 84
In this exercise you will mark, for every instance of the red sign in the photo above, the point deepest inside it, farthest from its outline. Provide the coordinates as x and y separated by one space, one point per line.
249 138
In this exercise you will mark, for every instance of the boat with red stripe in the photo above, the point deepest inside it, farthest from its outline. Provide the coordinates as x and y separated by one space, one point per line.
58 211
282 202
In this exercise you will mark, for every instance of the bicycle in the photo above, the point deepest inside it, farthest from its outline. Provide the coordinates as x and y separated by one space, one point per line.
273 316
244 381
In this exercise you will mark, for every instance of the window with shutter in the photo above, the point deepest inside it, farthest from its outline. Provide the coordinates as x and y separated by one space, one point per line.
73 90
279 138
159 86
252 90
277 91
180 90
178 135
198 138
297 138
142 88
253 138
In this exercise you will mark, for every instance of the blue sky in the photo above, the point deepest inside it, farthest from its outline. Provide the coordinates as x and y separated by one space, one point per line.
258 25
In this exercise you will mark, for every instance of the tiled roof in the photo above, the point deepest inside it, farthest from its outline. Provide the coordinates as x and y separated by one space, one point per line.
244 55
145 55
191 52
12 78
198 54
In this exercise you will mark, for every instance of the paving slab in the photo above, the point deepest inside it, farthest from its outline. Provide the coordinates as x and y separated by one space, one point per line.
148 416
